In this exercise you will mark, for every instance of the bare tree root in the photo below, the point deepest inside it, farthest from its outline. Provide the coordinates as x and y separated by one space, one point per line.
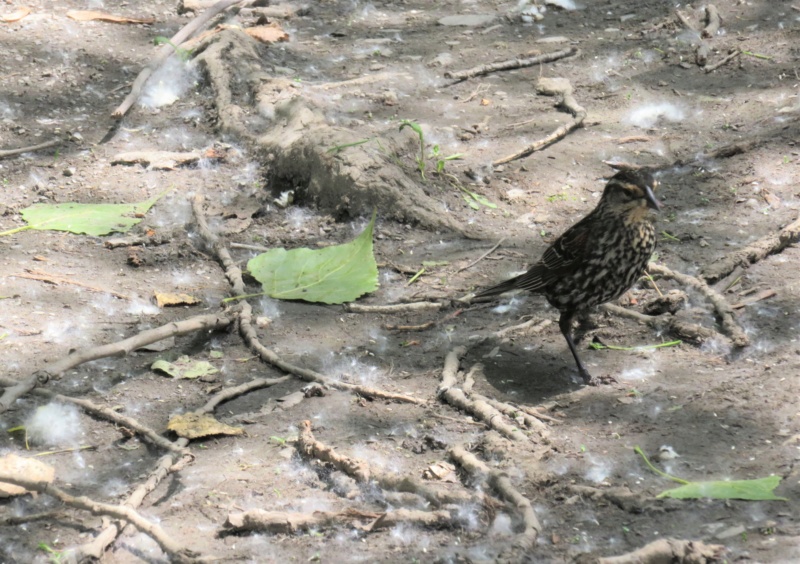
524 541
669 550
553 87
175 551
713 21
721 306
305 153
5 153
751 254
511 64
167 50
530 327
684 330
489 411
120 348
290 522
309 447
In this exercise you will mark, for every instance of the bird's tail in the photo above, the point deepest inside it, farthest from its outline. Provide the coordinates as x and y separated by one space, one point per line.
503 287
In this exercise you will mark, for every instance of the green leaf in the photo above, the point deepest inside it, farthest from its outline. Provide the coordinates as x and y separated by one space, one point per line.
760 489
472 203
332 275
91 219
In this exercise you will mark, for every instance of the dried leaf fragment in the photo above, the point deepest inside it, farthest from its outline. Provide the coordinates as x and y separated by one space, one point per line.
89 15
271 33
166 299
16 15
194 425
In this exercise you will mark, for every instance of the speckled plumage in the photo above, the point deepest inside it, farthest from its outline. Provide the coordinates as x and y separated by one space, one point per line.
599 258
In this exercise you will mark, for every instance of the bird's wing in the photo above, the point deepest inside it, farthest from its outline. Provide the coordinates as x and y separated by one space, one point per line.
559 260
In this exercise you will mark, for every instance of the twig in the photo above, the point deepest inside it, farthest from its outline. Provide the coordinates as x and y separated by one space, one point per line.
669 550
721 306
5 153
685 21
681 328
724 61
175 551
757 298
524 541
553 87
512 64
483 256
769 245
120 348
289 522
55 280
394 308
168 50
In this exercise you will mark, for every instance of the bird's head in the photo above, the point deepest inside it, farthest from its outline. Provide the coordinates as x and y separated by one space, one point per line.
631 192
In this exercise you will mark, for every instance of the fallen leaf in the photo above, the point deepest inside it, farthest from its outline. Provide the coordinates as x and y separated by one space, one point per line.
441 471
194 425
28 468
89 15
166 299
485 101
16 15
267 33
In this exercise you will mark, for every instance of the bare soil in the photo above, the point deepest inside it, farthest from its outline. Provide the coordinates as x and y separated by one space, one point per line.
728 413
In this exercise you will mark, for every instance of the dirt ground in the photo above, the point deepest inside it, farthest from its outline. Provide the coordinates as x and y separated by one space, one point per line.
727 413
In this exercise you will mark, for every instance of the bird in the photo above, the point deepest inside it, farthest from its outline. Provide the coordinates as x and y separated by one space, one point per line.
598 259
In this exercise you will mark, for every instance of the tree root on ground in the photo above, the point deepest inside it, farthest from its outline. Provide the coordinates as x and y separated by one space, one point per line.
684 330
492 412
175 551
309 447
298 143
673 551
723 309
524 541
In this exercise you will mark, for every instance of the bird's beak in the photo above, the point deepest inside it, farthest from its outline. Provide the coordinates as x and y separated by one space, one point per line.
652 201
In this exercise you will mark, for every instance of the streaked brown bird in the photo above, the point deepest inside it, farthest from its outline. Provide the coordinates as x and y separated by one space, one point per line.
599 258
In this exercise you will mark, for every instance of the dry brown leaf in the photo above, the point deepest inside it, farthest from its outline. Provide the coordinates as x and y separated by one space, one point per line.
16 15
271 33
166 299
28 468
193 426
485 101
89 15
442 471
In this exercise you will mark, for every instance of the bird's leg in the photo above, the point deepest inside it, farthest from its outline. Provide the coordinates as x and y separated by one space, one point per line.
565 324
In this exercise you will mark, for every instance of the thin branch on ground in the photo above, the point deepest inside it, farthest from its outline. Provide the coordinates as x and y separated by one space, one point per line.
120 348
524 541
290 522
483 256
55 280
669 550
394 308
14 520
5 153
167 50
104 413
723 61
553 87
751 254
510 65
175 551
723 309
227 394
